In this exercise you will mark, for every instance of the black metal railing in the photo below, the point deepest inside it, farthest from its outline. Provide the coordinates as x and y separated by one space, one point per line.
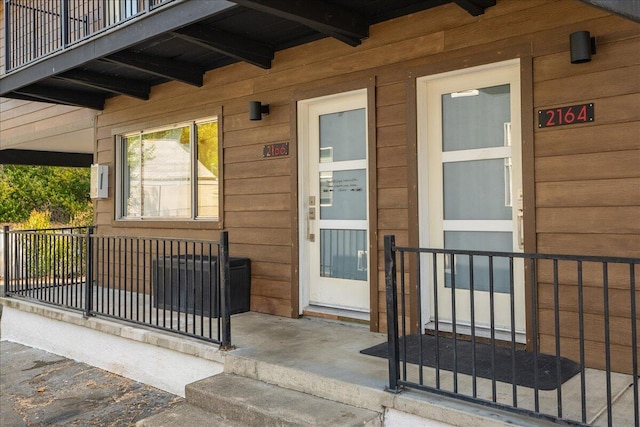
178 285
456 327
37 28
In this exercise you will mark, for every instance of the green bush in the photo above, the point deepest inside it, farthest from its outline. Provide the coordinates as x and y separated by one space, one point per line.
37 221
61 191
48 253
83 217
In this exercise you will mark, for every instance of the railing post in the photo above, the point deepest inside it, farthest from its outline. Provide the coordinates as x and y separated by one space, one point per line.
64 23
5 237
225 291
7 38
392 312
88 281
34 34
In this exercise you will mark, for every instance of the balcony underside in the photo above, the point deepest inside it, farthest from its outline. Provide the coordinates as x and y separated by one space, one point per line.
184 39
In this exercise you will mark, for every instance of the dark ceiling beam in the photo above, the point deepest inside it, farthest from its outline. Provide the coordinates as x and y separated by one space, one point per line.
61 96
332 20
114 84
158 66
174 16
45 158
475 7
628 9
14 95
228 44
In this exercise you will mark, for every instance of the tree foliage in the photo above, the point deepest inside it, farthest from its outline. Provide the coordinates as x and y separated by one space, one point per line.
64 192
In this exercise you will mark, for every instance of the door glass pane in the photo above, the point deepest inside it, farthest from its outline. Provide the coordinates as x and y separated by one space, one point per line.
343 254
343 136
482 241
343 195
476 190
475 118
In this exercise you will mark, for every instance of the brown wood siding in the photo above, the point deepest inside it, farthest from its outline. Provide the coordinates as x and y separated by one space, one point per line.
587 179
41 126
588 195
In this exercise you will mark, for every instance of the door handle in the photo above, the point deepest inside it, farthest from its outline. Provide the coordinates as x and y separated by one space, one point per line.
311 216
520 219
520 229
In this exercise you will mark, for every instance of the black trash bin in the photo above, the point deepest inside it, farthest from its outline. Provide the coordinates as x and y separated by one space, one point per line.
186 283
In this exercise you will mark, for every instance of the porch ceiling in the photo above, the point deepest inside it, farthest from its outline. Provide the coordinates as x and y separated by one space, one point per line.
188 38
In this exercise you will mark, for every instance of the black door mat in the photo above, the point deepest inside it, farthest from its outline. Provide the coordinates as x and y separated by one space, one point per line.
524 360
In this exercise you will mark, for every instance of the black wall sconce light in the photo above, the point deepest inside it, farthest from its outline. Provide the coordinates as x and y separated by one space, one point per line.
582 47
257 110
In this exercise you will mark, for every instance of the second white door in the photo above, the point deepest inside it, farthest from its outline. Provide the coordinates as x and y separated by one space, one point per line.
471 197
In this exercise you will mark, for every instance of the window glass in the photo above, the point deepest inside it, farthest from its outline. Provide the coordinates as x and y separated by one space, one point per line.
166 173
208 185
132 176
162 179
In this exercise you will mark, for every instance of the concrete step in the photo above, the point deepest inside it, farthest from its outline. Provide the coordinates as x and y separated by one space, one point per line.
185 415
255 403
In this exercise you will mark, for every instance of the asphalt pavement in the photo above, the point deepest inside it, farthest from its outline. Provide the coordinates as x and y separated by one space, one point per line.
38 388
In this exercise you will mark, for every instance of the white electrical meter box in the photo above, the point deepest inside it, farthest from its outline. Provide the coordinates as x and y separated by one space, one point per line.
99 181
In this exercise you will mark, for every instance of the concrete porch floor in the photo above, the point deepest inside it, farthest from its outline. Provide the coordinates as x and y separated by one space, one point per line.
322 357
331 350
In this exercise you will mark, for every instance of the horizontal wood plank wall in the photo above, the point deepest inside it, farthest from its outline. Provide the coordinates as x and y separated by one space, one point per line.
574 206
588 194
40 126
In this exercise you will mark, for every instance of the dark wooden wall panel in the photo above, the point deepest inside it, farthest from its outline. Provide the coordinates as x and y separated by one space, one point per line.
588 191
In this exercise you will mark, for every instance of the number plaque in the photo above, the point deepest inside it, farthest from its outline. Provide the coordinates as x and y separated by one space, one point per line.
276 150
561 116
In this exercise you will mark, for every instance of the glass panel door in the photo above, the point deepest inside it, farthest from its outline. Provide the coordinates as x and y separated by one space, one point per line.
470 193
336 229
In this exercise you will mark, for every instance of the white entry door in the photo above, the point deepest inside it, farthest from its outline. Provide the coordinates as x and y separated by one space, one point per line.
334 220
471 194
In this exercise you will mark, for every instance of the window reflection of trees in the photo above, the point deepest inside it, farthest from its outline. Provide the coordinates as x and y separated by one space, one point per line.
153 167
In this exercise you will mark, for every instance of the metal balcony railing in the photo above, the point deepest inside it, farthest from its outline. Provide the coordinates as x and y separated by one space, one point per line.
177 285
35 29
580 363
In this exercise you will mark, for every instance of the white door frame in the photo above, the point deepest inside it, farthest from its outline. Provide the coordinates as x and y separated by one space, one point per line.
425 239
304 156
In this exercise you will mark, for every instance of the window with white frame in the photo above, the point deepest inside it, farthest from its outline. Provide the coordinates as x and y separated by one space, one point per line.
170 173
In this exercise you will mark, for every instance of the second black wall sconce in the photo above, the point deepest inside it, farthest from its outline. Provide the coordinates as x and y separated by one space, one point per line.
257 110
582 47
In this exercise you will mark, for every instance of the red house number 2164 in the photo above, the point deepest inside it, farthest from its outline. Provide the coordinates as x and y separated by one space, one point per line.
565 115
